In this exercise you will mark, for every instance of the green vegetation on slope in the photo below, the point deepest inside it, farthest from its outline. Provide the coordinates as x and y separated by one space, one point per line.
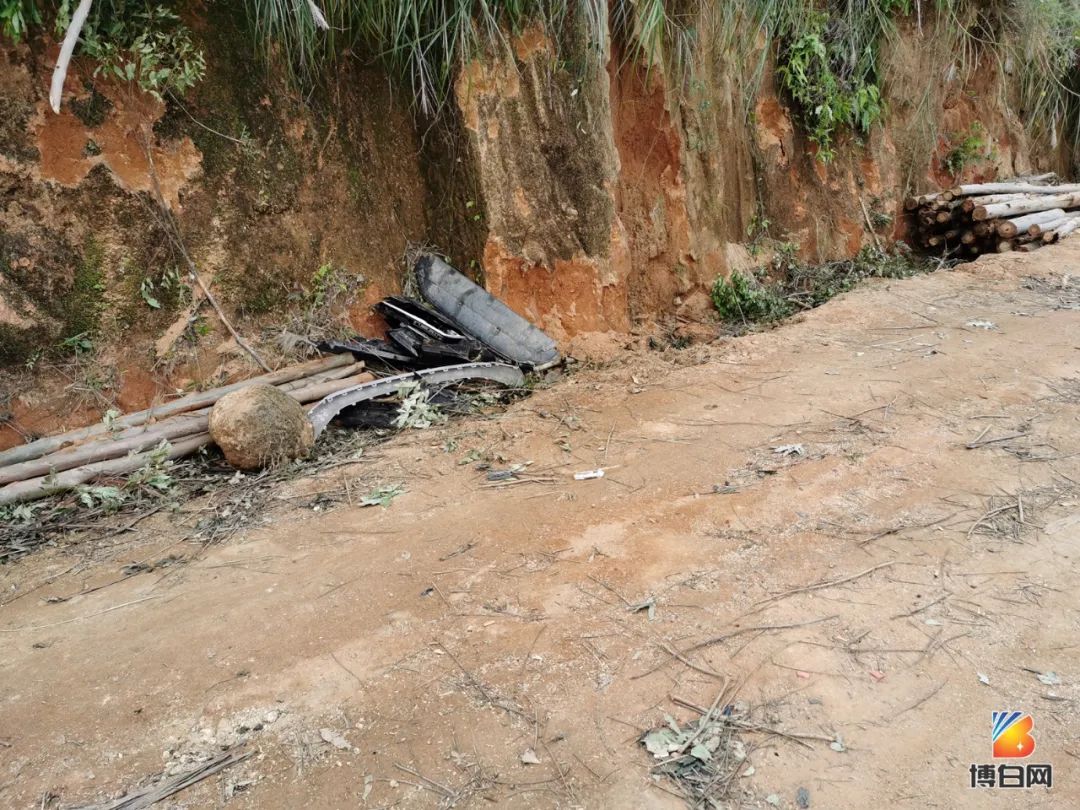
827 52
787 285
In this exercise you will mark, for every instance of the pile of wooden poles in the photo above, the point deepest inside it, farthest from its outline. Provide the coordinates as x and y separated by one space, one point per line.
128 443
970 220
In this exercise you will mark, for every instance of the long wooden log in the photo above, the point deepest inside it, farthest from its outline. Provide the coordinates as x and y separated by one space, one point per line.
1024 184
968 204
1068 227
1012 209
939 239
175 428
1057 223
1028 223
38 448
1012 188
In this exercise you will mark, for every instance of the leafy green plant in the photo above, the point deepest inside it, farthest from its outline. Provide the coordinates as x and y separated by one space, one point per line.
146 290
758 232
327 284
78 344
109 418
109 498
382 496
741 297
797 285
322 306
424 42
416 410
969 149
140 43
808 286
832 84
163 289
16 17
19 513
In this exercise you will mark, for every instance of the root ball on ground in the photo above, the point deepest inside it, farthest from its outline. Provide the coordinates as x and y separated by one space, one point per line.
259 426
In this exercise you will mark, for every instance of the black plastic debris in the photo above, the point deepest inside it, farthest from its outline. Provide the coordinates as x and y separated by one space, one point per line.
379 414
382 414
464 324
478 313
368 349
402 311
459 337
408 339
335 403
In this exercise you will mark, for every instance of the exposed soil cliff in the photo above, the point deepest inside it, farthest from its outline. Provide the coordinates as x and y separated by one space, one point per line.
591 200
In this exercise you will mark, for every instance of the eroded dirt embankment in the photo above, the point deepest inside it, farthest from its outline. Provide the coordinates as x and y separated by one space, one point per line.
593 201
889 586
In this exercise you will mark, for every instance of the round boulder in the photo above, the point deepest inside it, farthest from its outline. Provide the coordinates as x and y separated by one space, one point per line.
259 426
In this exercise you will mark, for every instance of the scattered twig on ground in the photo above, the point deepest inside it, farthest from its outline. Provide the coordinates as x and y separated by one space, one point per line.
817 586
921 700
763 628
906 527
979 441
77 618
917 610
696 667
528 655
485 694
461 550
170 787
430 784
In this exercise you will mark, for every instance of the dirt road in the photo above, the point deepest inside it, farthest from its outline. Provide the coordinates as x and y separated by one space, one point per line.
884 582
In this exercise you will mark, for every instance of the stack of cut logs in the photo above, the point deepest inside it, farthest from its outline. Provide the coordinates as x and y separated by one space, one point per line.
967 221
127 443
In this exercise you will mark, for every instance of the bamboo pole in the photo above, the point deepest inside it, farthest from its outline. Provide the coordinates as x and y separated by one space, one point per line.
178 427
175 428
35 488
38 448
293 385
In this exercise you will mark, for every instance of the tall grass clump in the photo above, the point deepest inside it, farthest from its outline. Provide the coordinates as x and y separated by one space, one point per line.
422 42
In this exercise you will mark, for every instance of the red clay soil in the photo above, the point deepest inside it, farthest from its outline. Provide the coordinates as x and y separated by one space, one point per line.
889 586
